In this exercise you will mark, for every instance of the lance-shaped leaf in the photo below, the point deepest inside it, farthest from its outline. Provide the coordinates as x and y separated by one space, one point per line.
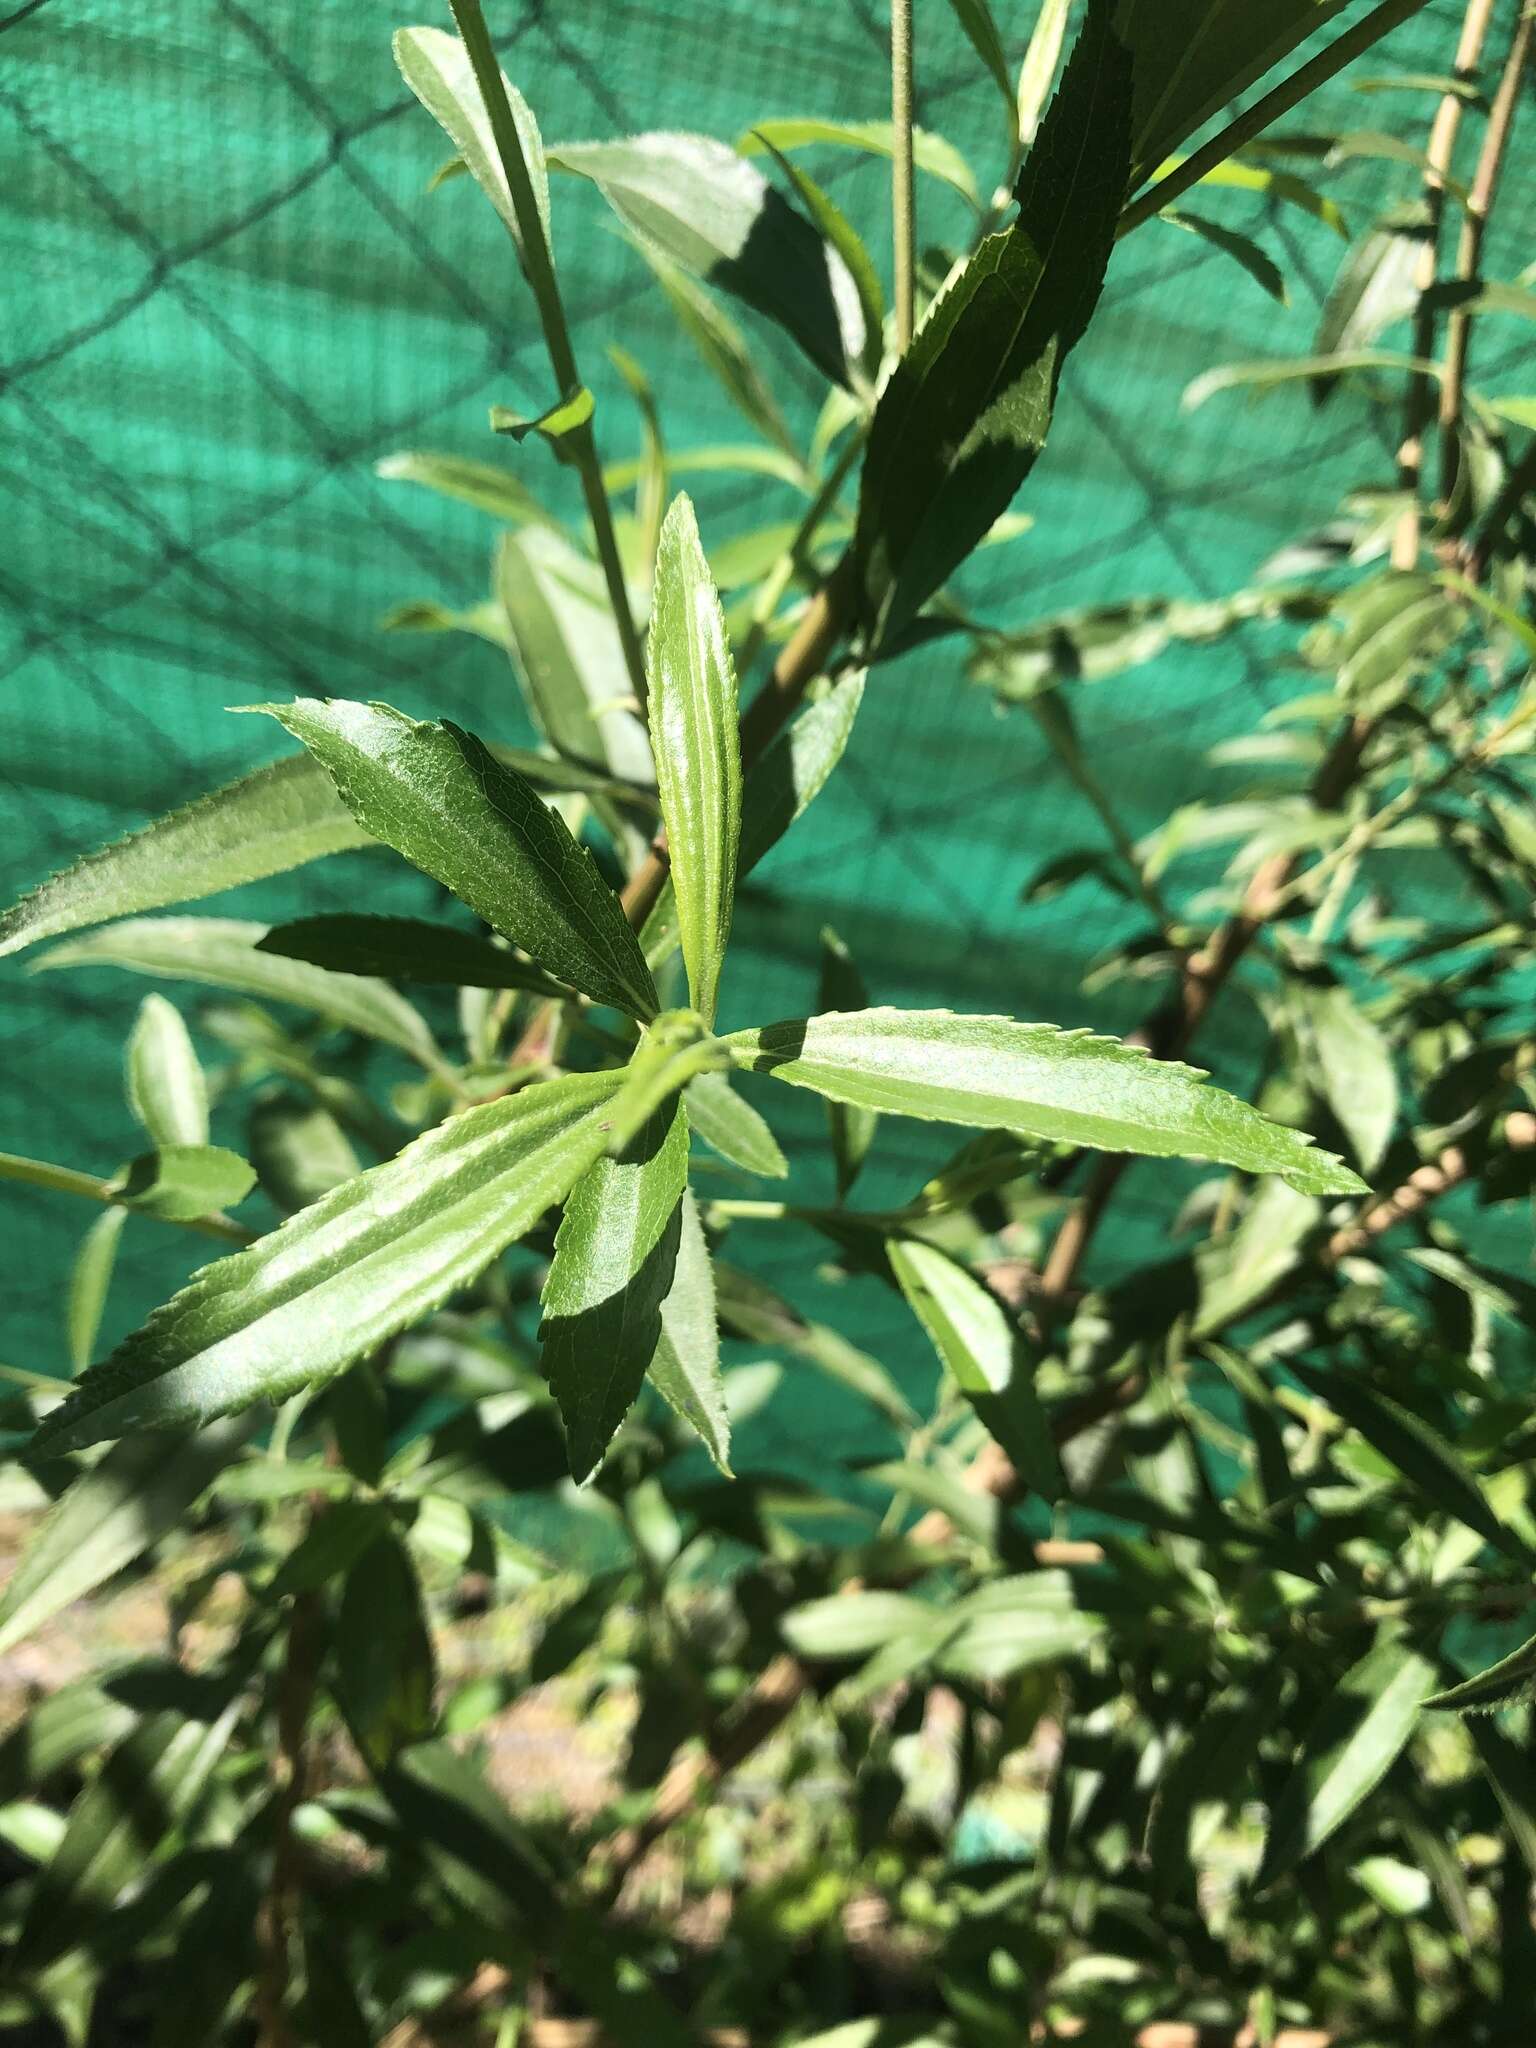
983 1352
113 1513
696 202
221 952
1241 248
615 1253
481 484
965 412
864 337
436 66
405 949
1419 1453
90 1276
698 756
264 824
685 1370
1373 289
554 424
733 1127
167 1089
337 1279
1349 1748
1355 1063
567 654
1035 1078
182 1182
438 796
930 153
385 1669
1512 1678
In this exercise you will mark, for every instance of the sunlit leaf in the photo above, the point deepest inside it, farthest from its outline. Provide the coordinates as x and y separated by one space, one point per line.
182 1182
437 68
90 1276
685 1369
1037 1079
732 1127
167 1089
1355 1062
930 153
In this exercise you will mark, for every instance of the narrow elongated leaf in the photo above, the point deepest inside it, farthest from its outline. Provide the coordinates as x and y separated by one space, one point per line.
975 18
984 1354
436 67
385 1669
1238 1271
698 757
554 424
151 1780
1266 375
1037 1079
439 797
331 1284
1352 1744
1014 1624
221 952
405 949
1039 66
1373 289
481 484
1512 1678
733 1127
752 1309
1355 1063
700 205
1513 1782
167 1089
567 654
266 823
110 1515
862 320
841 987
853 1624
723 350
615 1254
182 1182
1419 1453
685 1369
787 779
90 1276
1243 250
964 414
930 153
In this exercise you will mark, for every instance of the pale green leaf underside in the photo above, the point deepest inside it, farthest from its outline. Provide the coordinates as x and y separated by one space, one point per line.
221 952
1040 1080
342 1276
733 1127
437 68
167 1089
693 716
685 1370
266 823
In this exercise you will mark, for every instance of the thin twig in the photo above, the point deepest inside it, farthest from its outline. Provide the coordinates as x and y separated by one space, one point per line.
581 441
903 194
1469 253
1418 400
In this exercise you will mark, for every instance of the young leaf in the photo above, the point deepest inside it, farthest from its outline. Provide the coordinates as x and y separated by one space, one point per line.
615 1254
1349 1748
930 153
553 424
1241 248
1512 1678
1266 374
179 1183
220 952
337 1279
732 1127
702 207
385 1667
1355 1062
439 797
437 68
983 1352
266 823
853 1624
1423 1457
841 987
698 758
90 1276
1373 289
1039 66
568 656
787 779
1238 1271
685 1369
1037 1079
405 949
139 1492
481 484
167 1089
964 414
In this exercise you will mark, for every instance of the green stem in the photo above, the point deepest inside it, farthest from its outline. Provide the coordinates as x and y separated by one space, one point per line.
903 196
557 337
66 1180
1286 95
792 560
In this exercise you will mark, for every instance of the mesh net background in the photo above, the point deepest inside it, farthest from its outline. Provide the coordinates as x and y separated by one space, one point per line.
230 293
